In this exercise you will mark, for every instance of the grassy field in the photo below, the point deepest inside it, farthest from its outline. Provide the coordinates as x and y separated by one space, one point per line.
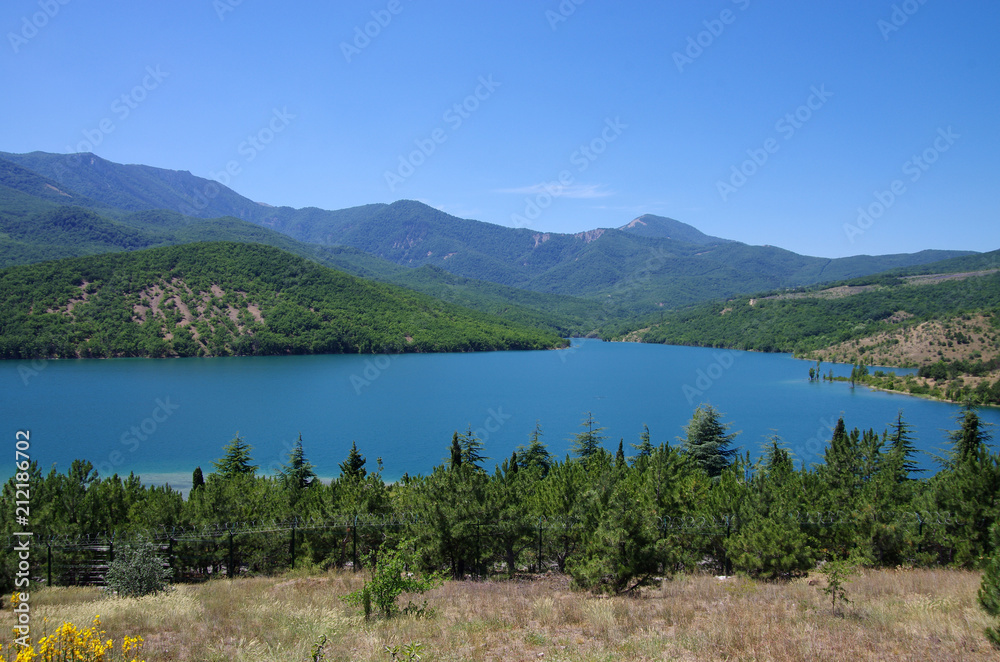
893 615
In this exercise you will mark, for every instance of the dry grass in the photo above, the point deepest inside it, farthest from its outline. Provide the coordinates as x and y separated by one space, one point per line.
919 345
898 615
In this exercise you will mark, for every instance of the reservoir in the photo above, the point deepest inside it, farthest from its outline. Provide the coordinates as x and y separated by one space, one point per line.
161 418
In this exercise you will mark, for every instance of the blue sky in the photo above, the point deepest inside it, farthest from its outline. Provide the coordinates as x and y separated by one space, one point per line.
828 128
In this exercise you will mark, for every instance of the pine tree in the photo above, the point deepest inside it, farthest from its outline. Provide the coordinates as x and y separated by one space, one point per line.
968 487
619 550
707 441
645 447
354 466
587 444
620 455
902 448
456 452
472 448
841 468
971 437
298 471
535 454
770 541
236 461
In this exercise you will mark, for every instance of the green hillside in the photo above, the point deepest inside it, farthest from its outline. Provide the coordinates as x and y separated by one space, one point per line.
649 264
806 321
228 298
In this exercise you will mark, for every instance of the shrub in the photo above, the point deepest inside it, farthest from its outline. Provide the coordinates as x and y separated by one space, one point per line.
137 570
389 580
70 642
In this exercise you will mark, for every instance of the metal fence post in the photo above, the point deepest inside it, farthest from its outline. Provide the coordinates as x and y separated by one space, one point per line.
354 553
230 568
540 545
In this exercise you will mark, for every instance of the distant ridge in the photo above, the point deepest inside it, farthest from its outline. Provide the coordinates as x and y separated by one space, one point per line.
649 225
649 264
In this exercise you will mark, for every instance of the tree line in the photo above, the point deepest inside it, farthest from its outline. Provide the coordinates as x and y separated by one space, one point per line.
612 519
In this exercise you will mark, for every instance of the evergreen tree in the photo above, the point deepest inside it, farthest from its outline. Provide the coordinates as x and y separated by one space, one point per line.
456 452
989 589
619 551
645 447
970 438
707 441
472 448
507 493
770 541
450 504
561 500
841 468
620 455
901 446
354 466
587 444
298 471
197 479
236 460
968 487
535 454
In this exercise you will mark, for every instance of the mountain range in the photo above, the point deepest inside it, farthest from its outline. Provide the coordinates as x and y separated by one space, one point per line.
54 206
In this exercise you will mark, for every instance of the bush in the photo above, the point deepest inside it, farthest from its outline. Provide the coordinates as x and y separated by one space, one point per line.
389 580
137 570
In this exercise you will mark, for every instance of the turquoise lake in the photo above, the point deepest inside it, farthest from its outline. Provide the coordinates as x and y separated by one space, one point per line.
163 417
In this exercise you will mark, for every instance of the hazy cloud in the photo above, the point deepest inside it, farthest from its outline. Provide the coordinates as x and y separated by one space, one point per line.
557 190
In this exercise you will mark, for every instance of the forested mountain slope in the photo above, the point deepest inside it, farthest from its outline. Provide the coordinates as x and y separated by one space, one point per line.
228 298
647 264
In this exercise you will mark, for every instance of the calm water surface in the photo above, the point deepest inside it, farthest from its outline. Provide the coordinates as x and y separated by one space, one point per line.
162 418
